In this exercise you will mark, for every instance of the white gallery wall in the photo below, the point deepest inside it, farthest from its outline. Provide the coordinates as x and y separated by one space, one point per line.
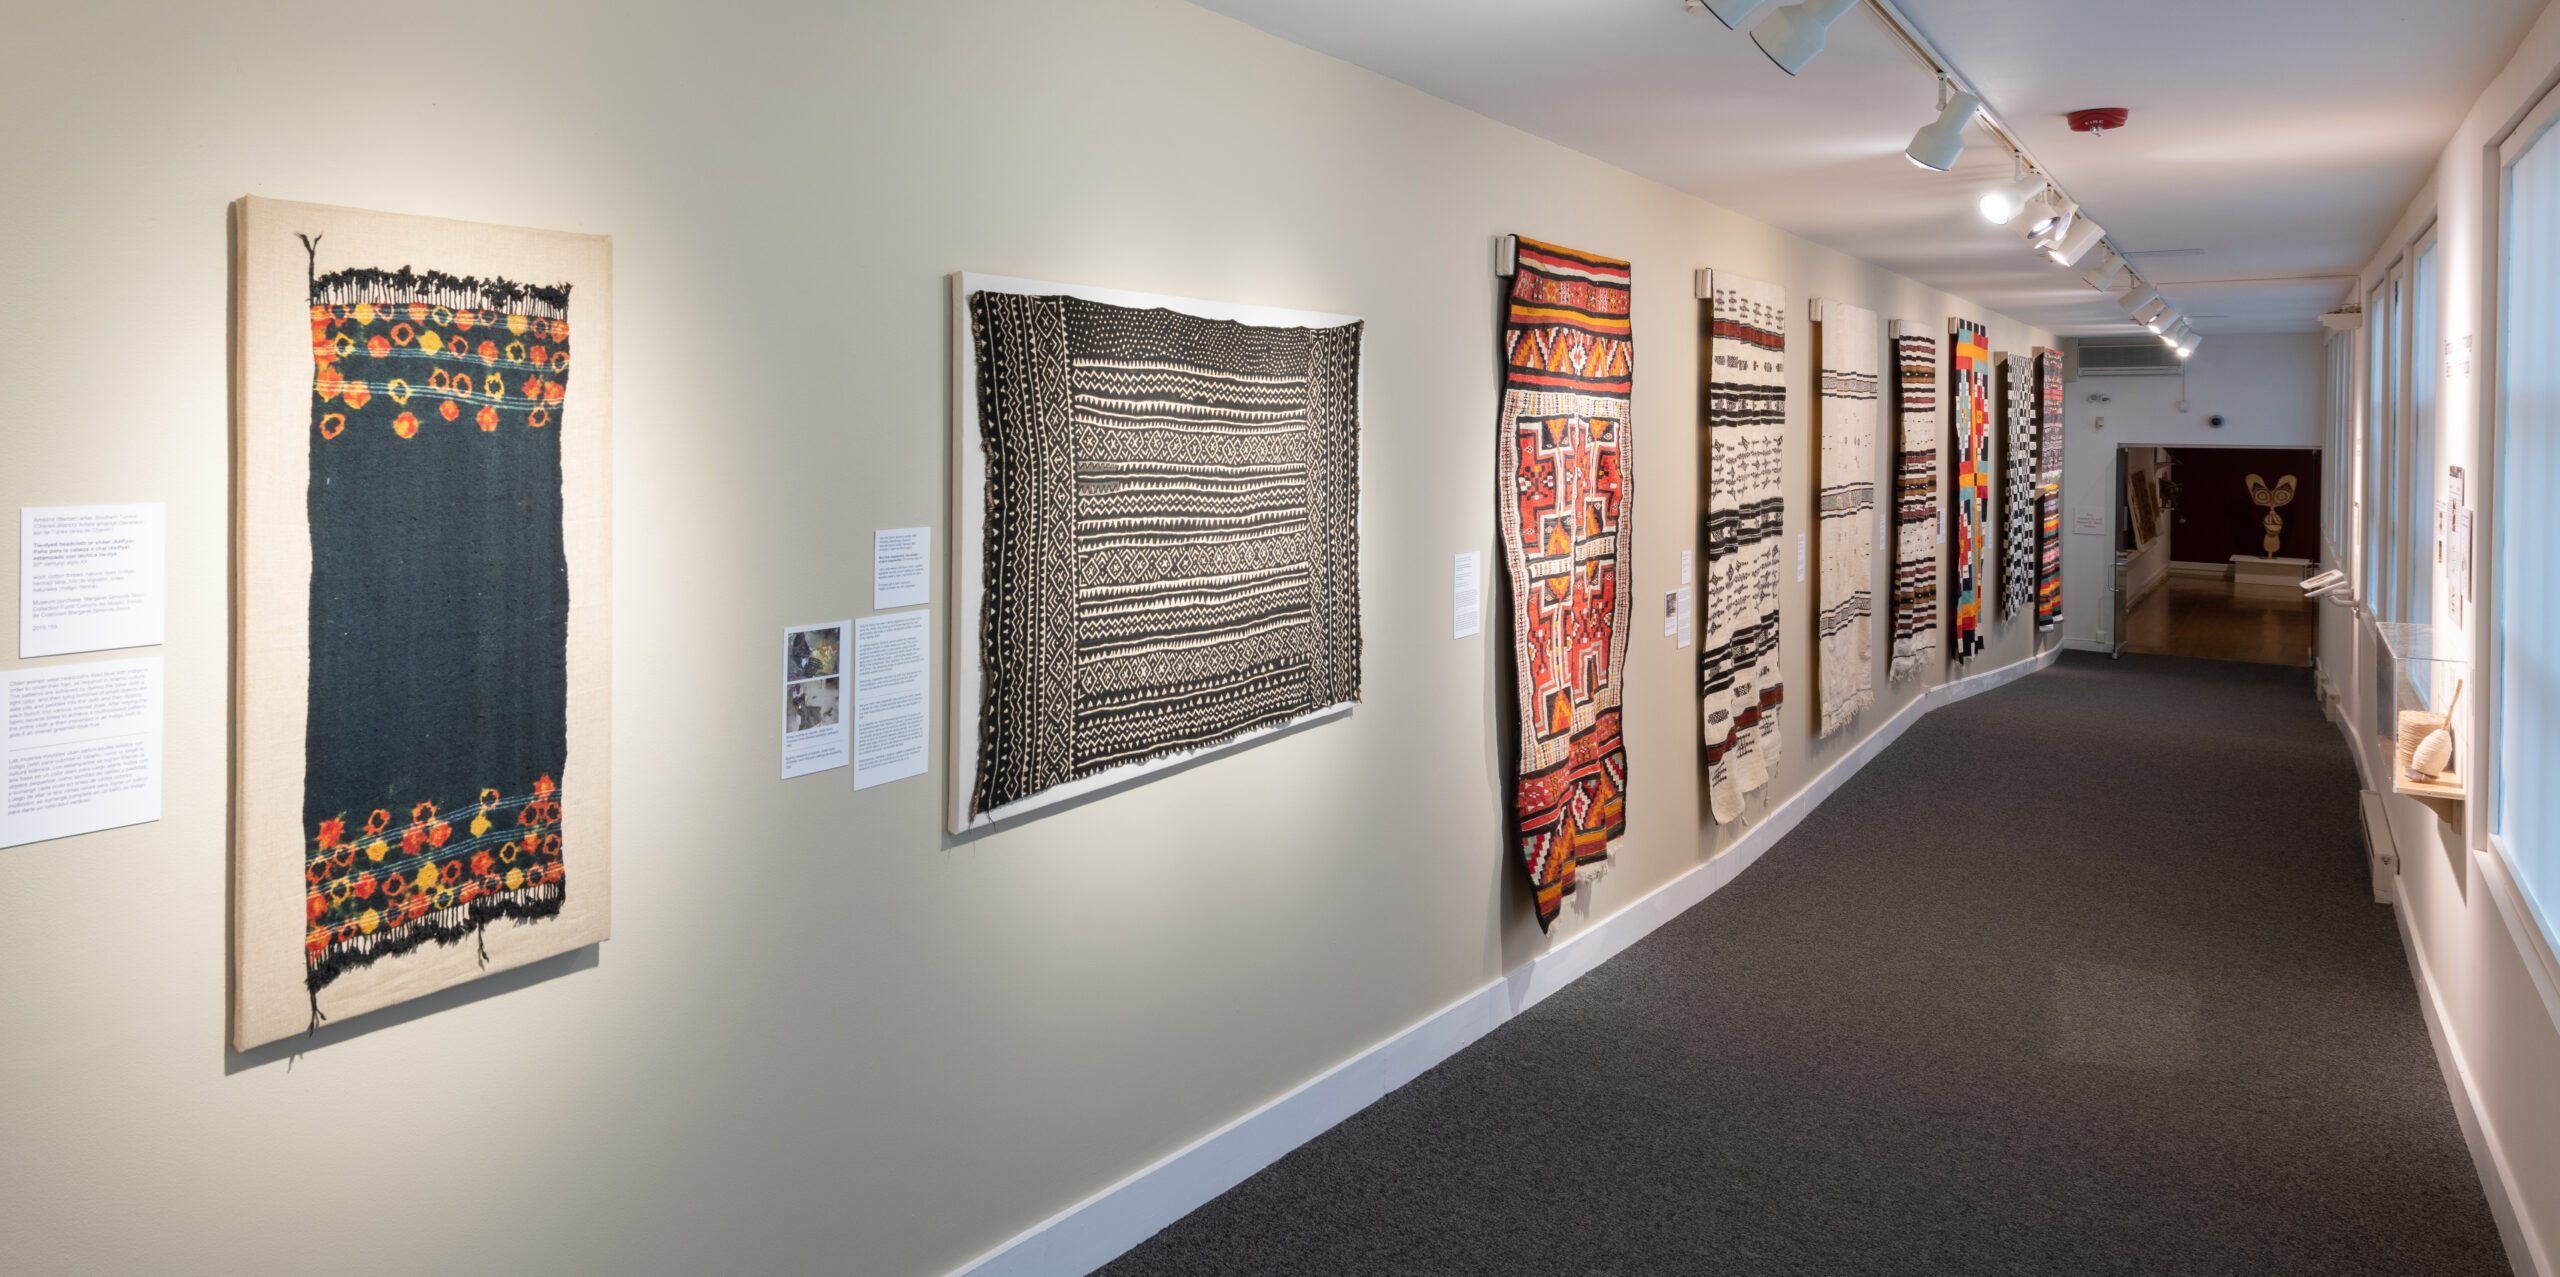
2270 390
2487 976
825 1035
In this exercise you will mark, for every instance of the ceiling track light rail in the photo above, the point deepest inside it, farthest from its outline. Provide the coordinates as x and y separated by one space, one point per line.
2050 221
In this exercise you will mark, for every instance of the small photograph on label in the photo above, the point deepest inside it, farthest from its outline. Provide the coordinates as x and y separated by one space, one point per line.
817 652
812 705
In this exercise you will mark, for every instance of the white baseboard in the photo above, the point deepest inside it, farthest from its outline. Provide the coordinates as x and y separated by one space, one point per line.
2099 646
2488 1156
1098 1229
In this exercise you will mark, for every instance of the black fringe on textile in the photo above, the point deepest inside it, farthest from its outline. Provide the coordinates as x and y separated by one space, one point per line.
444 926
385 287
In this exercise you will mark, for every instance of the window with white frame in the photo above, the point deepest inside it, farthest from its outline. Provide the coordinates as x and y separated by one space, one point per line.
2418 486
2333 449
2373 448
2525 602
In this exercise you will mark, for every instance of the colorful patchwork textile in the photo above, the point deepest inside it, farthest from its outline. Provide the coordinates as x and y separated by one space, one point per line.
438 713
1740 687
1915 503
1172 541
1969 412
1851 348
2049 556
1562 493
2022 400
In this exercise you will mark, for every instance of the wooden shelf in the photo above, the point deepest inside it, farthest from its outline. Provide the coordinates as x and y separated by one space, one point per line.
2444 795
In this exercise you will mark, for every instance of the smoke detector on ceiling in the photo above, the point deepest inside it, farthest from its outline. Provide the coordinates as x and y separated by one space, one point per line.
2098 119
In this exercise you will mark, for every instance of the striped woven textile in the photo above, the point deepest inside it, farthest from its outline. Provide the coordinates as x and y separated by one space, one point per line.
1173 533
1740 687
1843 630
1562 492
2049 554
1969 413
1915 502
2022 406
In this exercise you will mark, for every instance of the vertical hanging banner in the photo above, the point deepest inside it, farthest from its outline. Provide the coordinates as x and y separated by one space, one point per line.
1740 689
2049 490
1562 494
2022 406
1851 350
1969 412
424 775
1915 500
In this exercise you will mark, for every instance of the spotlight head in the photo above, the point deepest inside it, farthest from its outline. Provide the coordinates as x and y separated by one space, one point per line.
2076 242
1937 144
2163 319
1793 35
2042 212
1729 12
2142 298
2194 339
2001 205
2103 275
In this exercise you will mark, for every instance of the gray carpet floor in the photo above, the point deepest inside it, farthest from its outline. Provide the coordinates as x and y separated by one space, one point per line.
2084 975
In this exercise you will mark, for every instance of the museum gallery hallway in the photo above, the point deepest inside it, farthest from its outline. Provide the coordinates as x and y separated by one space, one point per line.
2083 975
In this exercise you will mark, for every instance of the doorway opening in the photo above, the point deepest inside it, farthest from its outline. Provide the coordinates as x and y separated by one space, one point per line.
2212 545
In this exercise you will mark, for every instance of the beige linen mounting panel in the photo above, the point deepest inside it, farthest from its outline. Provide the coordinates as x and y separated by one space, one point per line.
271 576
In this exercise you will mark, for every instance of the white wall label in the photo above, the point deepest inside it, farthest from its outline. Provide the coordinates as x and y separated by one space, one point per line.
901 568
1686 594
90 577
1466 595
891 682
1799 556
2091 523
1685 563
83 749
814 727
1670 613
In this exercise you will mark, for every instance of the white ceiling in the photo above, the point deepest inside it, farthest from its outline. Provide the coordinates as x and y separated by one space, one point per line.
2280 137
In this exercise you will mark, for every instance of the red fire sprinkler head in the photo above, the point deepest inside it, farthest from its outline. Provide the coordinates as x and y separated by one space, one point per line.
2098 119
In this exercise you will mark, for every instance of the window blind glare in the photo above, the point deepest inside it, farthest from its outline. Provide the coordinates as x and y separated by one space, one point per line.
2527 603
2419 509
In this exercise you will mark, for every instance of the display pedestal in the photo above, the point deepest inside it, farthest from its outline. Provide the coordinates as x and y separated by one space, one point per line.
2249 569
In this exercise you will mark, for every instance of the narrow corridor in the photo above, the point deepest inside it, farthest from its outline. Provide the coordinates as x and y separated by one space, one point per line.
2083 975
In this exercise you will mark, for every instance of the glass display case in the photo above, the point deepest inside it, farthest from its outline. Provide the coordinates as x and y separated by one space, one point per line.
2418 691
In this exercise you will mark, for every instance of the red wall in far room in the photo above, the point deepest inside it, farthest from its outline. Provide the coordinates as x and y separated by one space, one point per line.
2216 519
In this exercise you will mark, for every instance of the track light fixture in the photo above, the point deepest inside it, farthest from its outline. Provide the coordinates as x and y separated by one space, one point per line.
2001 205
2194 339
1793 35
2149 316
2163 320
2142 297
2103 275
1938 143
2047 216
2046 240
2076 242
1729 12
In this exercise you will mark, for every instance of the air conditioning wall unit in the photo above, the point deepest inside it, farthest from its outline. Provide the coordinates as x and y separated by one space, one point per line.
2135 357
